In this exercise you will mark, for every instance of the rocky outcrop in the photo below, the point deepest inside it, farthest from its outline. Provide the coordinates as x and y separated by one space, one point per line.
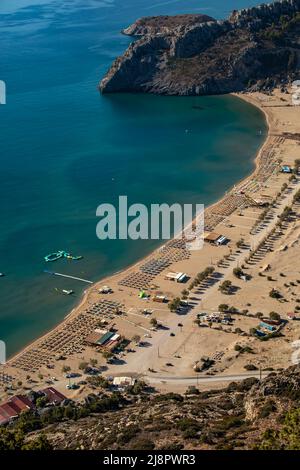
138 65
153 25
196 55
264 13
283 387
232 418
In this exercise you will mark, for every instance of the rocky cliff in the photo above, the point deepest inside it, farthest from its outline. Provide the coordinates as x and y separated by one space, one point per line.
194 54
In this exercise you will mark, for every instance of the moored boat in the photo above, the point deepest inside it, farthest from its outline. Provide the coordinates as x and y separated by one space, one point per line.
61 254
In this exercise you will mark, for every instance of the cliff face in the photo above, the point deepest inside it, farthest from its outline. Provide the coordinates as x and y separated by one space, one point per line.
195 55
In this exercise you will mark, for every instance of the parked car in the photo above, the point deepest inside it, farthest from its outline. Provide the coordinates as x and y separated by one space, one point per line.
72 375
72 386
91 370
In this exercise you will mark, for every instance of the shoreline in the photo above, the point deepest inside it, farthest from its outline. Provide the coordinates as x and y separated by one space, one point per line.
108 279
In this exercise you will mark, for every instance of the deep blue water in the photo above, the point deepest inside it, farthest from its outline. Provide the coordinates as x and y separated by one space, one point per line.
64 149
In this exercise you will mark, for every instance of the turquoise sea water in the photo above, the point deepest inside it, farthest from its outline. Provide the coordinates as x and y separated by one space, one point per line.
64 149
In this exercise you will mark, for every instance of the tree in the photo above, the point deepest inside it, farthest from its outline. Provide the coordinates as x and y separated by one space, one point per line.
240 243
192 390
209 270
40 443
136 339
274 316
41 402
286 214
65 369
83 365
259 315
93 362
223 308
297 196
69 412
10 440
185 293
137 388
98 381
286 438
250 367
297 165
238 272
174 305
107 354
275 294
226 287
153 322
14 440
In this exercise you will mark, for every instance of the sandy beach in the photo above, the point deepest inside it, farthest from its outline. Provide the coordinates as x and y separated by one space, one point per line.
247 216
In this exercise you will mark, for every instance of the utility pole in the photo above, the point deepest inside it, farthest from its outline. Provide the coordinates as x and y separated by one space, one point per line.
260 372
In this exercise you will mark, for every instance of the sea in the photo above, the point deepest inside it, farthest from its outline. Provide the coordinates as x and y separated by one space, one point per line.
65 149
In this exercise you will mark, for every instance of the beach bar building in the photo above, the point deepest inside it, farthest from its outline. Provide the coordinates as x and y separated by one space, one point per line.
267 326
176 277
103 338
160 298
123 382
105 290
215 238
286 169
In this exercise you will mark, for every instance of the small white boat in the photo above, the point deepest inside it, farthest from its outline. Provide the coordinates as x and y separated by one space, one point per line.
67 292
64 291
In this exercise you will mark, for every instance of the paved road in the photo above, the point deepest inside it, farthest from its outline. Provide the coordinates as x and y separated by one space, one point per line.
198 380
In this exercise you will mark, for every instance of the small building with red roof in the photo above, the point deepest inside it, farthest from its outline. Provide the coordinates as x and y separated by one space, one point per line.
13 408
54 396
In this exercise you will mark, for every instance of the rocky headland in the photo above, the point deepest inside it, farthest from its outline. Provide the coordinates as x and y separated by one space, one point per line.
254 49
